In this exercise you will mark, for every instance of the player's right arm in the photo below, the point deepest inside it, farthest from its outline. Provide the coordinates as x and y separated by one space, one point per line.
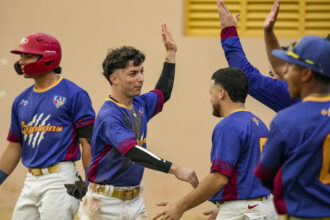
9 159
271 41
147 159
271 92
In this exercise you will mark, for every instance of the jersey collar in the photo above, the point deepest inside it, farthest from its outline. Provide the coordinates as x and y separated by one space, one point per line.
119 104
48 88
317 98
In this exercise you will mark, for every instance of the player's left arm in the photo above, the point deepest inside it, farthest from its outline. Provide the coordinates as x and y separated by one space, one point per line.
210 185
166 79
85 136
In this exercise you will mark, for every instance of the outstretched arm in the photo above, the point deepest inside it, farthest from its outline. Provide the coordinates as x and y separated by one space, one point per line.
9 160
271 41
271 92
166 79
147 159
210 185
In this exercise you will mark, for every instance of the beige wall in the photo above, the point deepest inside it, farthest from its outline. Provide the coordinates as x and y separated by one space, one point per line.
86 29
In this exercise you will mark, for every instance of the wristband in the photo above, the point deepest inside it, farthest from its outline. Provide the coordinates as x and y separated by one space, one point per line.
3 176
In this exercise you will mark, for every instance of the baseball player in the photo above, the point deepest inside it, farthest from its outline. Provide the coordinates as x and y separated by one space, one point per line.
48 122
296 158
271 92
119 152
236 143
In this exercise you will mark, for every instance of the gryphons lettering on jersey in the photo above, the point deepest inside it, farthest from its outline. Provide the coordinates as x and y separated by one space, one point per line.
45 123
118 129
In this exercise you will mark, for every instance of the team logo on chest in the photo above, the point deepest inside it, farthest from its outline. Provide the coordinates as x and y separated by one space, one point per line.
59 101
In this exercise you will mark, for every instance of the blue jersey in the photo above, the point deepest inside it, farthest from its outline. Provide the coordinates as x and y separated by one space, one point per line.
117 129
296 158
45 122
271 92
235 152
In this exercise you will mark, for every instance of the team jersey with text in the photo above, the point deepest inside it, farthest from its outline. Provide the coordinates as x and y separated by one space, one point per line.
236 145
296 158
45 122
117 129
271 92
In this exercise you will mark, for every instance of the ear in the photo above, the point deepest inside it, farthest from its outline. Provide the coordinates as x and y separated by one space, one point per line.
113 78
221 93
307 75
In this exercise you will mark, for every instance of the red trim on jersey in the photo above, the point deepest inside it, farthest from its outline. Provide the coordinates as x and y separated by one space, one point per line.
223 167
71 154
126 145
229 32
230 189
263 172
83 123
12 137
278 192
92 171
160 101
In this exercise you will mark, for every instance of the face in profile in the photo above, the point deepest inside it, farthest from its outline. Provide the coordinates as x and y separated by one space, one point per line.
214 93
25 59
129 80
293 78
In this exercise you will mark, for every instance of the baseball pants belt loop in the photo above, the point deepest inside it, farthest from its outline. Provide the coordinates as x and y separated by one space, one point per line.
42 171
117 192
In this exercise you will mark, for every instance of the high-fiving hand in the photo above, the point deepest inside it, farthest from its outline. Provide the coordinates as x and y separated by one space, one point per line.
226 18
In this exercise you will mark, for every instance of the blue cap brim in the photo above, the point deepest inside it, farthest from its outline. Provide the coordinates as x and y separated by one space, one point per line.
281 54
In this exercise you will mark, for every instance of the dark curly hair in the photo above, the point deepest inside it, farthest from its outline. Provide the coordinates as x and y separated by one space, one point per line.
119 58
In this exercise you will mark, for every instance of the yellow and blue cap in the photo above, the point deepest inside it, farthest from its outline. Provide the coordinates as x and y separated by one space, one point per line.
311 51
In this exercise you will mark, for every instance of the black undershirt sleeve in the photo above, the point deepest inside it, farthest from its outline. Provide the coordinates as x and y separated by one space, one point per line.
166 80
86 132
145 158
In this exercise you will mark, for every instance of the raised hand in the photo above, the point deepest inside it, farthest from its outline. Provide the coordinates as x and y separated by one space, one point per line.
272 16
168 39
226 18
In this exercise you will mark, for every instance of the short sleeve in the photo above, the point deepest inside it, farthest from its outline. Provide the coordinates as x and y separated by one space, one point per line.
82 110
115 133
153 102
225 150
15 132
272 156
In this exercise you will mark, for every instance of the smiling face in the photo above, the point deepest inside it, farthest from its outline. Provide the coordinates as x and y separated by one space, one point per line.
129 80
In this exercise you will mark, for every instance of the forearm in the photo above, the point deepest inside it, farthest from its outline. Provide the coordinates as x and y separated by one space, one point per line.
166 80
147 159
272 43
86 153
10 157
209 186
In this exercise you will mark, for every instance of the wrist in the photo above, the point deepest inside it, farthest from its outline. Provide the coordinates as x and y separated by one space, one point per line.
173 169
3 176
170 56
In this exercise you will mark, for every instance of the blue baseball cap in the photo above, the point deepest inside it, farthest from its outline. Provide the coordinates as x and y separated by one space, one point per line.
311 51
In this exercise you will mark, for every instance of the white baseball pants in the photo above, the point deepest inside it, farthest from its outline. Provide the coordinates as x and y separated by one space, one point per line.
248 209
44 197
